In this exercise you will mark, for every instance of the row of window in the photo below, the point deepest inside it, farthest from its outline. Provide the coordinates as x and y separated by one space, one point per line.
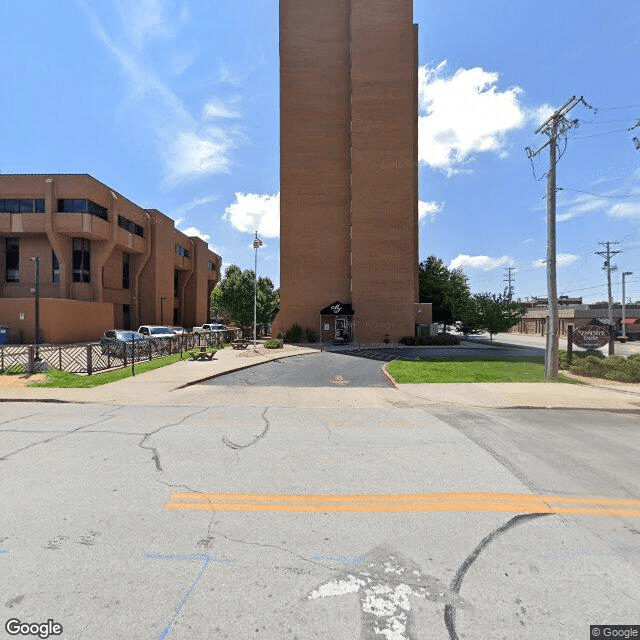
80 205
24 205
65 205
181 251
80 262
130 226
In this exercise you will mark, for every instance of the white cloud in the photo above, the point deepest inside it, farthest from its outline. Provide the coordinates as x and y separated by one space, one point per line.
187 146
484 263
189 155
465 114
188 206
625 210
428 210
226 76
580 205
562 260
194 231
146 20
217 109
254 212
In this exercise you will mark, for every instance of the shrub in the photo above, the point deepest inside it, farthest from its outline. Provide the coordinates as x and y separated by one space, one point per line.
310 335
577 356
275 343
294 335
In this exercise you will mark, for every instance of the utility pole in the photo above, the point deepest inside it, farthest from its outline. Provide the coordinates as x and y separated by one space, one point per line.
257 243
554 126
607 255
624 304
509 278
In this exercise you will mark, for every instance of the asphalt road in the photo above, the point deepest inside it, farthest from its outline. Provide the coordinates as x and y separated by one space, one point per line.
247 520
314 370
353 368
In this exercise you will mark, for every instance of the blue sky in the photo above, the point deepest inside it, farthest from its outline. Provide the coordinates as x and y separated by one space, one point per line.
174 103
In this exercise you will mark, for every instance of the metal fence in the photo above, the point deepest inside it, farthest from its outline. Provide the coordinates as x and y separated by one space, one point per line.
92 357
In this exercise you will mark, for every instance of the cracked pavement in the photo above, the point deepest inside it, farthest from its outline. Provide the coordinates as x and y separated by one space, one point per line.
218 520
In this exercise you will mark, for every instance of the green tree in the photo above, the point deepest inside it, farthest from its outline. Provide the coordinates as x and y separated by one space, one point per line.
496 312
446 289
268 303
234 296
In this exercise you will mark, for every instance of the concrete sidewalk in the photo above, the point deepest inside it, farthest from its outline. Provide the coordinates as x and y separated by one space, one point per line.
173 384
154 385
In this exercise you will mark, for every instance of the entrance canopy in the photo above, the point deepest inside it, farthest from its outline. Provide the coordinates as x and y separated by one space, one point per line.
338 309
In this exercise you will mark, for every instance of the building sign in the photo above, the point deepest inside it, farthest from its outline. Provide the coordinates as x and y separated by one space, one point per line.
338 309
590 337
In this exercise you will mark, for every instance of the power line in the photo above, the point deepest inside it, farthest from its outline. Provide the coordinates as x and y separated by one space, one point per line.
598 195
631 106
598 135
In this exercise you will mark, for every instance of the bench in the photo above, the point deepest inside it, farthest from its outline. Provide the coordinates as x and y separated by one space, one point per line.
202 354
240 344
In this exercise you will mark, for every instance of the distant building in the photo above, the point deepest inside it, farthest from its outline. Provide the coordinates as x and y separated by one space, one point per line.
349 169
105 262
572 311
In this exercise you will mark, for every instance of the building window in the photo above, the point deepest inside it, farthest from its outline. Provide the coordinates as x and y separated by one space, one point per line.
55 268
81 260
75 205
181 251
212 266
12 260
125 270
25 205
130 226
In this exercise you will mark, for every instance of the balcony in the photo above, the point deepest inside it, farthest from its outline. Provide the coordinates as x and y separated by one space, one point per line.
132 243
17 223
83 225
182 263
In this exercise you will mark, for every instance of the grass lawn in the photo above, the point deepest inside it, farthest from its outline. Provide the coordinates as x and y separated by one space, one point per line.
66 380
457 369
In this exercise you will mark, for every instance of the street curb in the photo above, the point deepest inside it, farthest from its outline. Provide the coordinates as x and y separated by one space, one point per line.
388 376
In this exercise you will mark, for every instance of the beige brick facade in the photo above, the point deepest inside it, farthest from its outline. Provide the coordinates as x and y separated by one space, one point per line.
349 164
105 262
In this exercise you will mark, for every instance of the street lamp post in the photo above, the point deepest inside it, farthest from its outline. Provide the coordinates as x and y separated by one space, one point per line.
257 243
624 309
37 301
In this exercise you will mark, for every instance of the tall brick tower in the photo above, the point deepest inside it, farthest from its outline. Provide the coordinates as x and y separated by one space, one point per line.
349 167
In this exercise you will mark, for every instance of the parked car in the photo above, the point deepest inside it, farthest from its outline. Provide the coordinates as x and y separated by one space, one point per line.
178 330
155 331
117 342
210 328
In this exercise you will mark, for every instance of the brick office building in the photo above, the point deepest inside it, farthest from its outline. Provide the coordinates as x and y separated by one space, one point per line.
105 262
349 168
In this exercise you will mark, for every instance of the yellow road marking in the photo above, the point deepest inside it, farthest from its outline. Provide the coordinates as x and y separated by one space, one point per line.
405 503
